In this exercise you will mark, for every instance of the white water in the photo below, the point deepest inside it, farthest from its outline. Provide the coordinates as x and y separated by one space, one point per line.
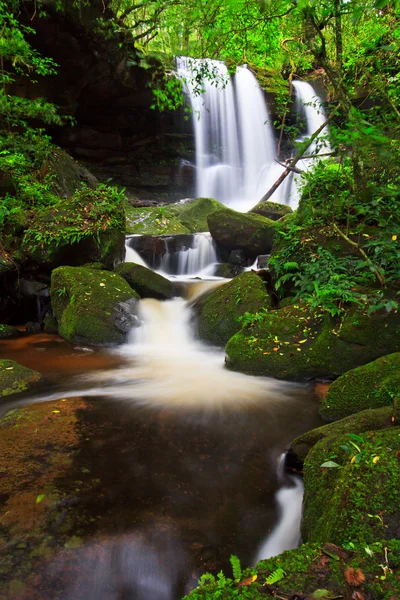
132 256
190 261
286 533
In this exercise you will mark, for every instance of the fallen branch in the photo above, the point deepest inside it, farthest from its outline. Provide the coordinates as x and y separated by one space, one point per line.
304 146
286 166
369 262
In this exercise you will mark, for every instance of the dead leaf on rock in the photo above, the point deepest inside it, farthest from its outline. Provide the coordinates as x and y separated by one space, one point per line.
247 581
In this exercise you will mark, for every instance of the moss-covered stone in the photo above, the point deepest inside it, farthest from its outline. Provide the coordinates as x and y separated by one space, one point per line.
145 282
50 324
227 271
220 311
193 215
358 501
314 572
8 331
292 343
153 220
233 230
67 174
91 306
15 378
271 210
370 386
366 420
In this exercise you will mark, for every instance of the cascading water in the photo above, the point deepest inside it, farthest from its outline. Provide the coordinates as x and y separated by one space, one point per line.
286 534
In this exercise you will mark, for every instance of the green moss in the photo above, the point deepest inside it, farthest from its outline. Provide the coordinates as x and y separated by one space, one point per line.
193 215
50 324
359 501
145 282
7 331
87 303
219 312
271 210
15 378
366 420
370 386
233 230
307 344
153 220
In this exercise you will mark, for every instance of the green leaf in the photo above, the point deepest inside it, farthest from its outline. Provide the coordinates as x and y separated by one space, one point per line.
330 464
40 498
275 576
358 438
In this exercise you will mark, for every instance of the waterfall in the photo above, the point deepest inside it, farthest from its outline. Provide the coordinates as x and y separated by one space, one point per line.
132 256
286 533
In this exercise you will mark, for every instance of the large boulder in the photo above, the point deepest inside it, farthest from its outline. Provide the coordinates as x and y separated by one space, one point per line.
370 386
194 214
355 496
88 227
92 307
366 420
146 282
271 210
153 220
294 343
234 230
67 175
220 313
15 378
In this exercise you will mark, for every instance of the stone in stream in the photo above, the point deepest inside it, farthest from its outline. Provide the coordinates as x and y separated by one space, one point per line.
8 331
220 312
294 343
16 378
146 282
369 386
233 230
92 307
271 210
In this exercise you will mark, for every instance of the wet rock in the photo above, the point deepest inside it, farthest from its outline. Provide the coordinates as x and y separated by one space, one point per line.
370 386
90 305
219 312
237 257
33 327
357 500
293 343
227 270
32 289
271 210
366 420
262 261
50 324
15 378
8 331
145 282
233 230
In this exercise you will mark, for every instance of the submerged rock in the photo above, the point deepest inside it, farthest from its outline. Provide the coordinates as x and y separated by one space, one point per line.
92 307
293 343
358 499
219 312
233 230
16 378
271 210
369 386
145 282
8 331
366 420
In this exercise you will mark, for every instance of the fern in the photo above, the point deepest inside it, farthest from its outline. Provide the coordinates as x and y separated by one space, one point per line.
236 567
275 576
206 579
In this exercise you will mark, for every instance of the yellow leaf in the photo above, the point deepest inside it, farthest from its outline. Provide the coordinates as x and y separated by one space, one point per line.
275 349
394 237
56 411
247 581
103 284
375 459
353 460
298 349
302 341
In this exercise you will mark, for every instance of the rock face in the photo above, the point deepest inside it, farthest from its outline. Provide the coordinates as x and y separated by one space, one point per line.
92 307
366 420
15 378
291 343
370 386
271 210
233 230
339 502
145 282
219 312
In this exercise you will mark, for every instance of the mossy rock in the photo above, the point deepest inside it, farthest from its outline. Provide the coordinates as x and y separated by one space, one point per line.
314 572
92 307
293 343
359 500
146 282
8 331
220 311
234 230
15 378
370 386
50 324
193 215
153 220
227 271
88 227
67 174
271 210
366 420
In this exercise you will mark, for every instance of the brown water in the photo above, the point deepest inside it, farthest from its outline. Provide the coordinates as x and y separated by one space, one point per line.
145 488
